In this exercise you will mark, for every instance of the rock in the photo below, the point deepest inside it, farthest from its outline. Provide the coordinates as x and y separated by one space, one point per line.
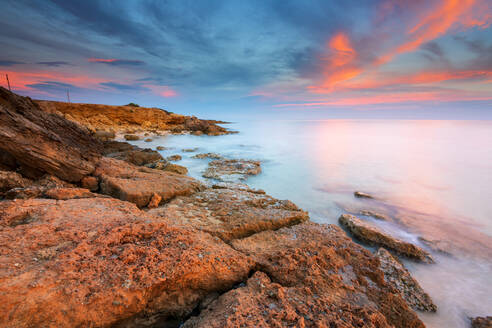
130 153
38 188
360 194
371 235
196 126
230 214
175 168
375 215
102 262
137 184
161 148
10 180
148 139
104 135
131 137
481 322
311 276
160 165
232 169
174 158
68 193
237 186
208 155
154 201
90 183
45 143
7 161
189 150
398 276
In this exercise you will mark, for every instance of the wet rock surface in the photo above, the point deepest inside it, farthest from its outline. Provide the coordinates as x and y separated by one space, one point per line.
98 262
371 235
232 170
310 276
360 194
208 155
398 276
138 184
481 322
230 214
45 143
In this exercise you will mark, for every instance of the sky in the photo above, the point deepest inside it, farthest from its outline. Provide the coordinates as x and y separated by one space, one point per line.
236 59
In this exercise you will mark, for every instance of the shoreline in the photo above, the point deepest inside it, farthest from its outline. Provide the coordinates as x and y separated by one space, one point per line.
234 255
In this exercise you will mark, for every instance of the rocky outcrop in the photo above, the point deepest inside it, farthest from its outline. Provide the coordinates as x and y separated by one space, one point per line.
481 322
45 143
37 188
371 235
130 119
138 184
232 170
174 158
310 276
102 262
230 214
130 153
398 276
10 180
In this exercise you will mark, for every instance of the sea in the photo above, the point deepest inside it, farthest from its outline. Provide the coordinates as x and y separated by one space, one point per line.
432 178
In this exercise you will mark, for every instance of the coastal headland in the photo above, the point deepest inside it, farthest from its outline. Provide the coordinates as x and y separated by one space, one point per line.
95 232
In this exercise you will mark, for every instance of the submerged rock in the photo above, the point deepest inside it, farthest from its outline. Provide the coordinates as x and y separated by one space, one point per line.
208 155
102 262
232 169
481 322
360 194
231 214
131 137
370 234
399 277
174 158
138 184
45 143
375 215
189 150
311 276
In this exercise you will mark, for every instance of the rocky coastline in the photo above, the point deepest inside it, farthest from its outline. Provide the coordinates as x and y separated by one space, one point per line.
99 233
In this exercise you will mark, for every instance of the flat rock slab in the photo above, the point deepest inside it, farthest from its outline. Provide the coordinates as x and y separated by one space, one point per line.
232 170
231 213
311 276
398 276
138 184
100 262
371 235
45 143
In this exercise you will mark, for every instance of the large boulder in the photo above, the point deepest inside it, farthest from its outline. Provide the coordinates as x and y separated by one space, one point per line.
101 262
138 184
130 153
45 143
371 235
311 276
231 213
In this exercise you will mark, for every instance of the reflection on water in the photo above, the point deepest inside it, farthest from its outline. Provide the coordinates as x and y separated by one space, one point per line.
432 178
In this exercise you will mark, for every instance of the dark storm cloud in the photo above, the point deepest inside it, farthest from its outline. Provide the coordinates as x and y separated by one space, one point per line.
9 62
53 63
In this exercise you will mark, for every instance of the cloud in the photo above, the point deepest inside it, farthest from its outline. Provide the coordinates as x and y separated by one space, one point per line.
53 63
116 62
123 87
8 63
52 86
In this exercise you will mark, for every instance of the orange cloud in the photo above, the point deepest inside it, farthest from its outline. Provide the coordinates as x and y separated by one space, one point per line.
102 60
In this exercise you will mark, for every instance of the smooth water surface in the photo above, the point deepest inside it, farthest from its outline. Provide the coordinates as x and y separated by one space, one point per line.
434 176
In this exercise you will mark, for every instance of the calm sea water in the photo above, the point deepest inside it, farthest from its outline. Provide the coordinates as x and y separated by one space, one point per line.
434 177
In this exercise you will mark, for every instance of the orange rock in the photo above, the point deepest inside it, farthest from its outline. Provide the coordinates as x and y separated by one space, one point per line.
90 183
45 143
230 214
311 276
370 234
98 262
10 179
154 201
137 184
